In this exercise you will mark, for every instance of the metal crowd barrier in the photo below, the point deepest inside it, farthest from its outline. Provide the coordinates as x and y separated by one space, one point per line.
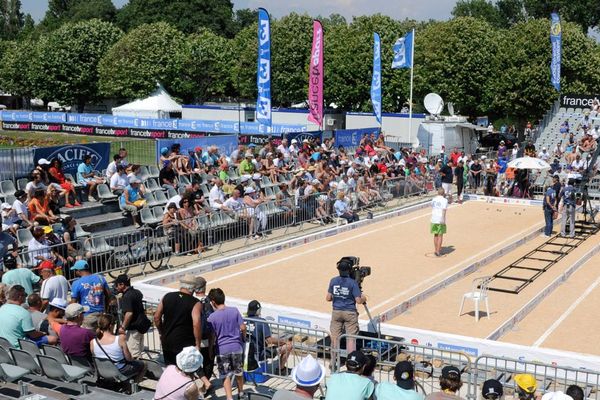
291 344
550 377
428 361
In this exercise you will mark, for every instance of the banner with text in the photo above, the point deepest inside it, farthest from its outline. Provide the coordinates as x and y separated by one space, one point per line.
315 79
300 136
376 80
72 155
352 137
263 73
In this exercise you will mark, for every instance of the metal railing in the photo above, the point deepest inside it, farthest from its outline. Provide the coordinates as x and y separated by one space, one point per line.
550 377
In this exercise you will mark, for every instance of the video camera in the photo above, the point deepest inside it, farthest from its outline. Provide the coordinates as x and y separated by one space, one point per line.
351 265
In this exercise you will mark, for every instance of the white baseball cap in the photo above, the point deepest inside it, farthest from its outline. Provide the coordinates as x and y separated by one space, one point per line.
249 190
43 161
6 206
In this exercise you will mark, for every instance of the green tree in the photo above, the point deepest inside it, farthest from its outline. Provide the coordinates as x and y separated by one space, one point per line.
63 11
244 17
585 13
12 19
243 68
186 15
18 68
70 58
456 60
204 64
521 87
146 55
482 9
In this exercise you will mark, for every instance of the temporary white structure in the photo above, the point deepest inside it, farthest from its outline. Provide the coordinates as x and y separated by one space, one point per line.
158 105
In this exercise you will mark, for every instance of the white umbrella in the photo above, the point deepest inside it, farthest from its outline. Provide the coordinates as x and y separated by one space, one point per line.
528 163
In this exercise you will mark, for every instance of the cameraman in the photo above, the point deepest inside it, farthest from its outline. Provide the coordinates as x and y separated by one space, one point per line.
345 293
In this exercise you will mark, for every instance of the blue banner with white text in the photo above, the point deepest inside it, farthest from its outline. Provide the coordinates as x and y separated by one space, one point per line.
300 136
351 137
72 155
556 41
263 74
226 144
376 81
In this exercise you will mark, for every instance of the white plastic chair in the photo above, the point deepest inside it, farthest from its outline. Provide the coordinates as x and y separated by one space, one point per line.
478 293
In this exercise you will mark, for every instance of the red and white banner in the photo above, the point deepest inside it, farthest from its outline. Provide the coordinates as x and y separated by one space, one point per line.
315 80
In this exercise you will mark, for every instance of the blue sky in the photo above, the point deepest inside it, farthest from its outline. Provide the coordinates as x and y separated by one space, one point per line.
399 9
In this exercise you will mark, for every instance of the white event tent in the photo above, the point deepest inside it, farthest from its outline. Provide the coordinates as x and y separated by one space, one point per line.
158 105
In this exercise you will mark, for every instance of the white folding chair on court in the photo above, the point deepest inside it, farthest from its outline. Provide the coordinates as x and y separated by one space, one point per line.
478 293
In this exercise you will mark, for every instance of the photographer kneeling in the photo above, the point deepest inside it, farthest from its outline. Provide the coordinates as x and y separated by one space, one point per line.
345 293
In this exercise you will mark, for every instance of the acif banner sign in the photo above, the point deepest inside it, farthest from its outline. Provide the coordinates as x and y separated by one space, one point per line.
72 155
315 79
376 81
403 51
556 42
263 75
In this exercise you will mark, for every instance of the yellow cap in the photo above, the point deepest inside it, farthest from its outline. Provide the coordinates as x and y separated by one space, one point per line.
526 382
47 229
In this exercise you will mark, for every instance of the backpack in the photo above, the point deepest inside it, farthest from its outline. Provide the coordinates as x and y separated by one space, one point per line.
204 314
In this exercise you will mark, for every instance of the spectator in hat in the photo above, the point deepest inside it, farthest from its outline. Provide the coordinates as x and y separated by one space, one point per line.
21 209
260 332
405 384
135 323
91 291
39 247
87 177
107 345
177 318
178 382
18 276
229 328
307 376
10 219
55 320
575 392
131 200
16 322
450 384
526 385
558 395
119 180
75 339
167 175
246 165
350 385
492 390
53 286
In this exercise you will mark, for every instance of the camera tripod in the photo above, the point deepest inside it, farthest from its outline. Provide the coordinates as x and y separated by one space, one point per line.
372 321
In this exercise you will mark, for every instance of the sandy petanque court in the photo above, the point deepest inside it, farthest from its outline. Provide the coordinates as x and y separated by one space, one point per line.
400 252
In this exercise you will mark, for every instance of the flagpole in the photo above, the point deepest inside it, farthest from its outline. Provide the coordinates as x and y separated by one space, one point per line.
410 100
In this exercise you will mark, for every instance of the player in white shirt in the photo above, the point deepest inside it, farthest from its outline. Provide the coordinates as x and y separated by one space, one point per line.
439 205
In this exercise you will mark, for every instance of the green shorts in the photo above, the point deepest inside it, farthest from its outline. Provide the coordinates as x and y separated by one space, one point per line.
438 229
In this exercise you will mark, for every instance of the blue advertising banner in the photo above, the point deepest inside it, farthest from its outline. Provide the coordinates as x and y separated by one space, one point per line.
556 42
263 74
376 81
110 121
226 144
72 155
300 136
351 137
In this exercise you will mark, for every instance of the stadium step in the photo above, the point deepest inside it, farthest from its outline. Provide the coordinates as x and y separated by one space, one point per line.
89 209
106 222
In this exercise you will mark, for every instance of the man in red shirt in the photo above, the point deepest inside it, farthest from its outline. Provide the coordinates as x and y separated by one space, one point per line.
454 156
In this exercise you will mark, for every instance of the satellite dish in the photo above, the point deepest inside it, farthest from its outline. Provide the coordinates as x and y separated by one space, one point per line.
434 103
451 108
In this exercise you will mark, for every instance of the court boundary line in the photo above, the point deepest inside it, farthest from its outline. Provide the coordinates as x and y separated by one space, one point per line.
567 313
404 306
520 314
